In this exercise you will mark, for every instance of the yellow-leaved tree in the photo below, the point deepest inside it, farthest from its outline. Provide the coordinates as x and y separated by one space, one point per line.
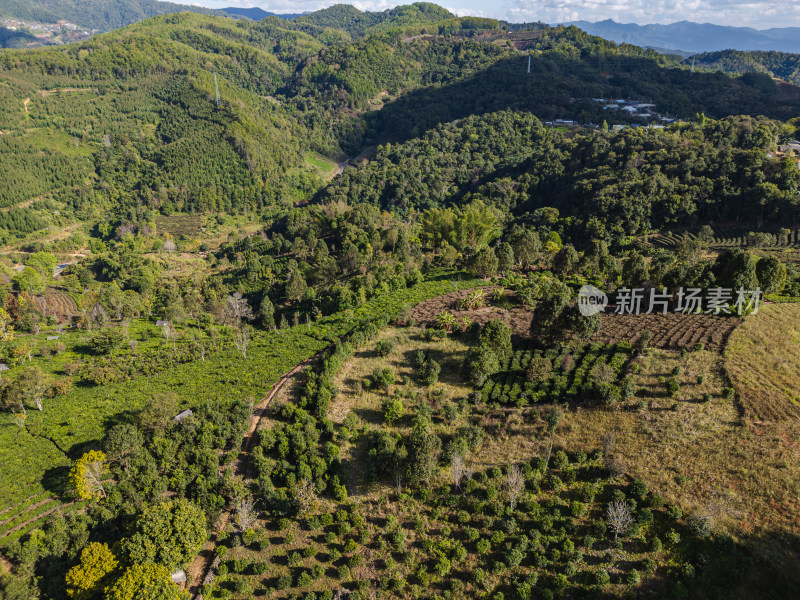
88 578
87 475
146 581
6 329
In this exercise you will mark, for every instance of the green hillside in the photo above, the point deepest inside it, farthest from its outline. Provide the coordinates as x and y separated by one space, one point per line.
357 23
780 65
100 15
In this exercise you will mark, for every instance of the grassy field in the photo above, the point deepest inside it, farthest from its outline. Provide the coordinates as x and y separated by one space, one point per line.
763 362
324 166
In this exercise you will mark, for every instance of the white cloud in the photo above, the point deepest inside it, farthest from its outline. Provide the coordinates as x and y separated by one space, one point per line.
753 13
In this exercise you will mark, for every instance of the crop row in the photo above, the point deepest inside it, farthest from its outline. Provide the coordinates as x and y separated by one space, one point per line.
570 372
731 237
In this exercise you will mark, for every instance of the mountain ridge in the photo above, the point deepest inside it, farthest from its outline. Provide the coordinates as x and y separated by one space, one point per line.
689 36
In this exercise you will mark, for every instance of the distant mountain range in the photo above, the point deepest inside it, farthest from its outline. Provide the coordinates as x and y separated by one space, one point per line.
695 37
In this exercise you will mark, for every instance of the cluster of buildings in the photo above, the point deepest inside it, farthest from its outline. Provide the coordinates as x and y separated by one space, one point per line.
631 109
634 108
790 149
41 30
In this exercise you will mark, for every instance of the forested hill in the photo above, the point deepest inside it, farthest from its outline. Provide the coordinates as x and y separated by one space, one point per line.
357 23
780 65
126 122
602 185
128 118
100 15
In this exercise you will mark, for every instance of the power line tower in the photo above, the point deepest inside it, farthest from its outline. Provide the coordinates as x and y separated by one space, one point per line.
216 88
693 64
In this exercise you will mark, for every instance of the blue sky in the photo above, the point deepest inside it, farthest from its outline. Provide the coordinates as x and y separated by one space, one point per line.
760 14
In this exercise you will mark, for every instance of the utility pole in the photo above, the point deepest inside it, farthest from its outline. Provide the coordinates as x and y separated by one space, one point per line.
529 64
216 88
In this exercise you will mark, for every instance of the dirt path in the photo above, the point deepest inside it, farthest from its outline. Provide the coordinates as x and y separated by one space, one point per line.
198 570
25 105
340 166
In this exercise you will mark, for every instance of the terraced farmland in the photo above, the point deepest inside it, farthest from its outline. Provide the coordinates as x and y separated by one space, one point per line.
670 331
763 363
61 304
733 237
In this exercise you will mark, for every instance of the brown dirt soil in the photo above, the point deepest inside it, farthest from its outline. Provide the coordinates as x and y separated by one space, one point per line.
670 331
519 319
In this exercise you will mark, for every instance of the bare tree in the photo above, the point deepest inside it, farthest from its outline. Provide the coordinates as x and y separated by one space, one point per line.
514 484
304 495
245 514
619 517
458 470
241 338
237 309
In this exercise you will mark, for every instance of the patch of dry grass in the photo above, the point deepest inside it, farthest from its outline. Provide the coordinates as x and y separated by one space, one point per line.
763 362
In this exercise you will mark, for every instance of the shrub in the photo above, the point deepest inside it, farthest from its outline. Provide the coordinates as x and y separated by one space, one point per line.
560 460
429 373
381 378
700 525
284 581
687 570
633 577
384 347
243 587
728 393
393 410
645 516
673 537
602 577
674 512
656 545
639 488
673 386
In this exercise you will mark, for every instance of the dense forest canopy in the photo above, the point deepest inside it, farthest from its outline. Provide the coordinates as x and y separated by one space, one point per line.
99 15
780 65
